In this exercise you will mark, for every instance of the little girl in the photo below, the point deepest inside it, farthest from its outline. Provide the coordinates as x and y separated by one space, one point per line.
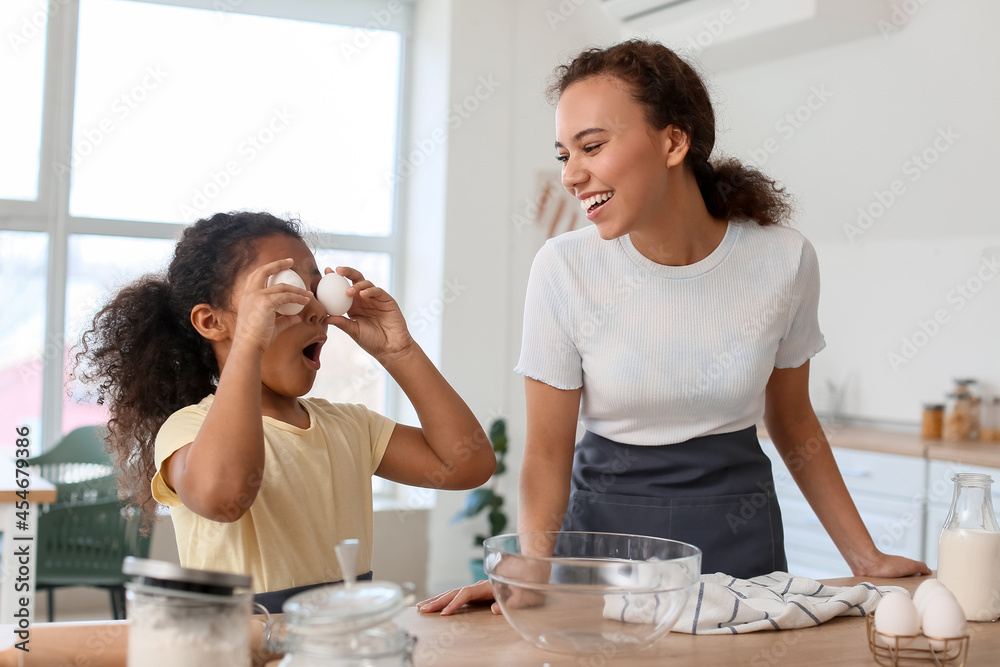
204 376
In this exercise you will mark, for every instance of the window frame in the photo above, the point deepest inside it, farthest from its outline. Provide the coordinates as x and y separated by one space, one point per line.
49 213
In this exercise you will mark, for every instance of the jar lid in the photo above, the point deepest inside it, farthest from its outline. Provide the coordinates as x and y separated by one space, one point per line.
933 406
338 609
160 574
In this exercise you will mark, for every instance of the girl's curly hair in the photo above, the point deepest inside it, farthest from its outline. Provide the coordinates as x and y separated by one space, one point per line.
142 356
672 93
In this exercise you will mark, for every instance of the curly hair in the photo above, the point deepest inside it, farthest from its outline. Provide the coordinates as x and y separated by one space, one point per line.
671 93
143 357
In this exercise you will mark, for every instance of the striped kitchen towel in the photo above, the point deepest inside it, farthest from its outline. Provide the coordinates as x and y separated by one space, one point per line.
721 604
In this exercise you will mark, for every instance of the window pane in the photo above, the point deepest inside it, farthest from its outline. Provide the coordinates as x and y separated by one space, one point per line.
22 67
23 268
98 266
348 374
244 112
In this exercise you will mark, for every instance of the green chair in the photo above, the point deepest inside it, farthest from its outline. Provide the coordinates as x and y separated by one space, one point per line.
84 536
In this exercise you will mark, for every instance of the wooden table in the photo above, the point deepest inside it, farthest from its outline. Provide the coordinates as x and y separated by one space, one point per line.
475 637
20 549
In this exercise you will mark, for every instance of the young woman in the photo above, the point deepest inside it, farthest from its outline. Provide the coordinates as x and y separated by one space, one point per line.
670 327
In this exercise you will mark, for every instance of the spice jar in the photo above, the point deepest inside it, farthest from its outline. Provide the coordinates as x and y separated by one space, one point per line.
989 421
182 617
932 423
969 548
969 388
956 417
344 626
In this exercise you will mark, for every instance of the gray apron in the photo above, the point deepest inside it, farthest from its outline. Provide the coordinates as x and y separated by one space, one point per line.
715 492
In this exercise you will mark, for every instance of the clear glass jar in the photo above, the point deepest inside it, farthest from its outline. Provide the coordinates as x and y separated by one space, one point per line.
989 421
969 548
970 388
344 626
181 617
957 415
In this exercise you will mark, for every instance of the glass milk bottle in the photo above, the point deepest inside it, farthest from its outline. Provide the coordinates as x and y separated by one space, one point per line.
969 549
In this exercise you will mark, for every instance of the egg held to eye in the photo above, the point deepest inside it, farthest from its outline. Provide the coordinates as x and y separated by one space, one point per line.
896 620
330 293
287 277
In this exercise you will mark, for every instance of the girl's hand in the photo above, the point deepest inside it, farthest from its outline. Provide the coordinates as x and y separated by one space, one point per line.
376 323
451 601
257 319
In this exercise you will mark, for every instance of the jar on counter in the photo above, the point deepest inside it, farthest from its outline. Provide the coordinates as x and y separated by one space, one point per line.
969 387
957 415
932 423
183 617
989 420
344 626
969 548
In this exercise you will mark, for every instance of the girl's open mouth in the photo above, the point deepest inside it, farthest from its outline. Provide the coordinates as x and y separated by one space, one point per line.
311 353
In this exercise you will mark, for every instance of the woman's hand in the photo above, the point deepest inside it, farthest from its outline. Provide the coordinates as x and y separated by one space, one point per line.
258 321
886 565
375 323
451 601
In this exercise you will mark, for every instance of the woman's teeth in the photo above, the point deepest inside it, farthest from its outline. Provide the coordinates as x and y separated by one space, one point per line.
590 202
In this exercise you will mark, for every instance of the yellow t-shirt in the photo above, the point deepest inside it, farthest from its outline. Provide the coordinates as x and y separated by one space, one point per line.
315 492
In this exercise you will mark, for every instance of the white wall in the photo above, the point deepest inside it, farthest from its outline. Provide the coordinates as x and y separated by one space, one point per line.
887 98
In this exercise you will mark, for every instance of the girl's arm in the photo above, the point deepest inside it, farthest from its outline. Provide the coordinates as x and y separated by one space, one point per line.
544 483
218 475
796 432
450 450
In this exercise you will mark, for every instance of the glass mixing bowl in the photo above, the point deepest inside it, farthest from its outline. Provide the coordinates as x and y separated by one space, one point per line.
591 593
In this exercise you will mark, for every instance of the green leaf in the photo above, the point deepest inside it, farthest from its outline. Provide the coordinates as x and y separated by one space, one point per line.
501 467
498 436
498 521
478 542
477 500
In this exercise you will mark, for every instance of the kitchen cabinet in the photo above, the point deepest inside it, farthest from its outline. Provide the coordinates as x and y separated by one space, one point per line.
900 484
888 491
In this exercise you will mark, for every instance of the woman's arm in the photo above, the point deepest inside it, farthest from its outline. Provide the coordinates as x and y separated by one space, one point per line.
547 465
797 434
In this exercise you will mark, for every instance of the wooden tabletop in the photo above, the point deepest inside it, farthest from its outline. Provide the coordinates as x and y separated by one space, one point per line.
476 637
39 490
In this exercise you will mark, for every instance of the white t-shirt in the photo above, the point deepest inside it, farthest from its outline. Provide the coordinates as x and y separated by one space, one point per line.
668 353
316 491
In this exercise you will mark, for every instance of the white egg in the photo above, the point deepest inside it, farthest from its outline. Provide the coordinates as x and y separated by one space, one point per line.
921 595
330 293
288 277
942 617
896 617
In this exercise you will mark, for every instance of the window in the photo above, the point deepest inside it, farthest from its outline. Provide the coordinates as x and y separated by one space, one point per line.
161 112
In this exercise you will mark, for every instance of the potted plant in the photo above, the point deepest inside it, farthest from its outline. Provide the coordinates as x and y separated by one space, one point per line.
488 498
